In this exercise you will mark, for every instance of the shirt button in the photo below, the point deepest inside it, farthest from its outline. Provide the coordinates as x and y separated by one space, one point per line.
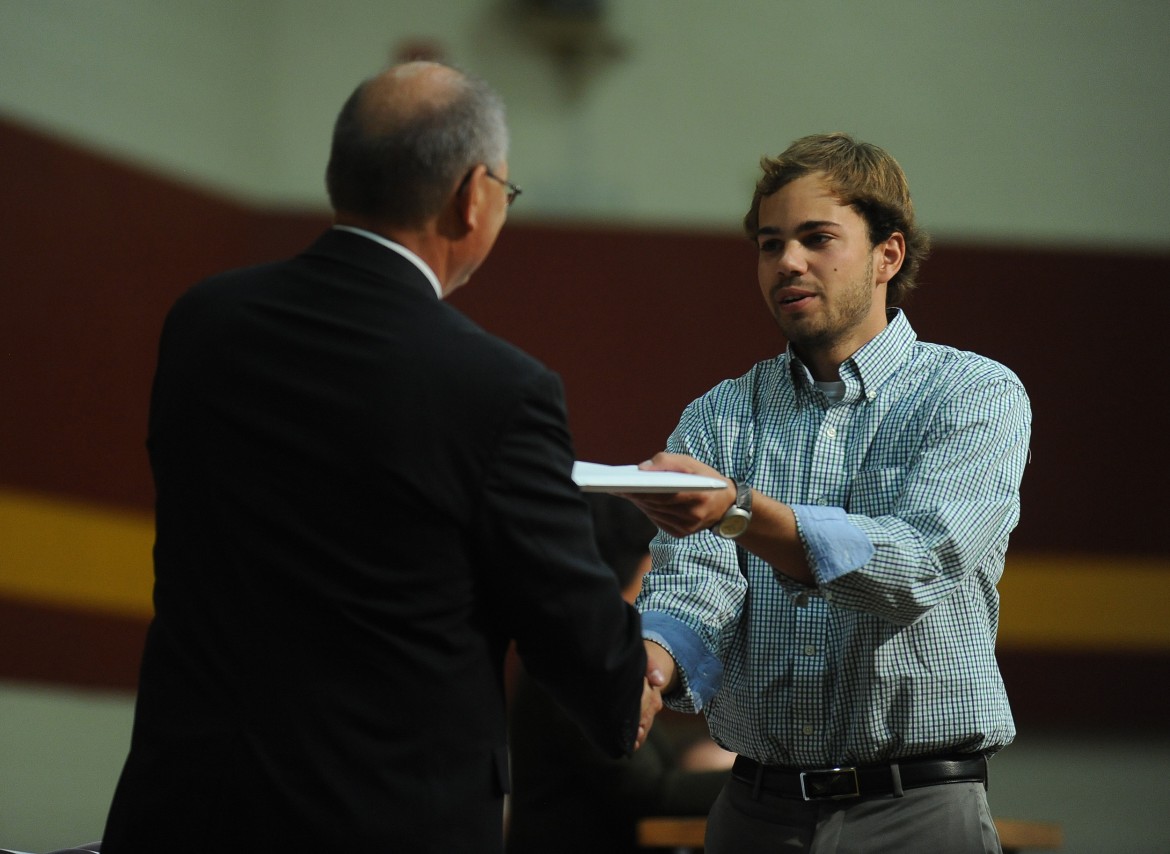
870 395
831 432
809 649
808 729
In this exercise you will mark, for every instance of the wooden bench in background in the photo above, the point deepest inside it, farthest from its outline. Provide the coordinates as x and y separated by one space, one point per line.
687 834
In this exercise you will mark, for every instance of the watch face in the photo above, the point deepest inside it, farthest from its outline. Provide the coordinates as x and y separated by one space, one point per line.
734 524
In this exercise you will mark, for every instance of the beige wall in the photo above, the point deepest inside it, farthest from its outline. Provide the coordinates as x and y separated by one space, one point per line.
1017 120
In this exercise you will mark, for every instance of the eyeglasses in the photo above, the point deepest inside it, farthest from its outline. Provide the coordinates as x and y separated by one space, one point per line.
513 190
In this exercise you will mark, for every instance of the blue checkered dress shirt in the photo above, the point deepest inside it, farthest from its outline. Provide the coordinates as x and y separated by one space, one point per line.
905 492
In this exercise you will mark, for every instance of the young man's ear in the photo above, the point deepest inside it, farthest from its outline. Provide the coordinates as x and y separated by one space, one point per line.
891 254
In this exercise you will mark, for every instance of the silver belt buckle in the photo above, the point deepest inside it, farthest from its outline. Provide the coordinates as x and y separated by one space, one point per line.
844 784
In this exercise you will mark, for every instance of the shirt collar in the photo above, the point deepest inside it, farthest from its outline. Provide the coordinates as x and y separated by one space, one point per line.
401 250
882 356
874 363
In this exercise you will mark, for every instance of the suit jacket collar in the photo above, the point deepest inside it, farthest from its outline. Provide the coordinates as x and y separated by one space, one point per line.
369 256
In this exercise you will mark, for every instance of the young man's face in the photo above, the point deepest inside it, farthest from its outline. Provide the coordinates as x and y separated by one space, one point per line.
822 279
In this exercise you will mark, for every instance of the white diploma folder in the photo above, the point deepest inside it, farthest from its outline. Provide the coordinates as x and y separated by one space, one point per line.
595 477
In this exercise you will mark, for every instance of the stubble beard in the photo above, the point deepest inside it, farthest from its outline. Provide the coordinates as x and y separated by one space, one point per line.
837 323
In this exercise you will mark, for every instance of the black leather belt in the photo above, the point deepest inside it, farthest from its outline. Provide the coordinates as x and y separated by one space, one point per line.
862 780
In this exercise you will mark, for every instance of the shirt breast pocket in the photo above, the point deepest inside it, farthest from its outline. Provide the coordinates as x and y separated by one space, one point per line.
874 492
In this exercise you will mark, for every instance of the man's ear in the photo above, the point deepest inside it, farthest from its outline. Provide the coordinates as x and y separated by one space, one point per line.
468 202
461 212
891 254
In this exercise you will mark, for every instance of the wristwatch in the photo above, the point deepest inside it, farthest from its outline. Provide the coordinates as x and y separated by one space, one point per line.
738 515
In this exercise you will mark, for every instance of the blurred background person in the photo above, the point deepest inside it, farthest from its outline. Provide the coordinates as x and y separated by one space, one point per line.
569 797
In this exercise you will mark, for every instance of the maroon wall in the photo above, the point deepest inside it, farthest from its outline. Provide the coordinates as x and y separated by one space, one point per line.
637 321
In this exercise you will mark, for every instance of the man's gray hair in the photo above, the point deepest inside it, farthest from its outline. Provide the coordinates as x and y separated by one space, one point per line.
398 162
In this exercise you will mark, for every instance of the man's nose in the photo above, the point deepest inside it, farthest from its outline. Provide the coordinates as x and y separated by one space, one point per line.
791 261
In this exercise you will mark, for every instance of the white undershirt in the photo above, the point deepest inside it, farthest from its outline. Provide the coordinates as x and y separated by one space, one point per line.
834 390
401 250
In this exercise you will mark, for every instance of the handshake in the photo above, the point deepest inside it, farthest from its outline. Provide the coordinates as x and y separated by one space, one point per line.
660 679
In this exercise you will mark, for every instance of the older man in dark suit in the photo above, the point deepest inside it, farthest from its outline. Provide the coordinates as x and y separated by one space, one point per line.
362 498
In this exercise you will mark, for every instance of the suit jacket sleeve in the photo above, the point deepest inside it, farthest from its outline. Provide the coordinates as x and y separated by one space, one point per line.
573 631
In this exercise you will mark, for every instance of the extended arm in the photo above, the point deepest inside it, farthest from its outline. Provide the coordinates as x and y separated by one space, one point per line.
772 534
909 533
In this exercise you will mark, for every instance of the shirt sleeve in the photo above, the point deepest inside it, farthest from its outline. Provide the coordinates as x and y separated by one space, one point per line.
700 673
835 545
694 599
947 515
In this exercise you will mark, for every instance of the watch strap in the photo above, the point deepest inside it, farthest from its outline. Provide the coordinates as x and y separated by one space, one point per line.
739 515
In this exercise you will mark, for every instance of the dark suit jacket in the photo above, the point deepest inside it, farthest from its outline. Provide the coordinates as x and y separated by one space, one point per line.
361 497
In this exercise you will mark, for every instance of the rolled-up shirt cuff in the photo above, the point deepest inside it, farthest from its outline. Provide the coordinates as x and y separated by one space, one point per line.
835 545
701 672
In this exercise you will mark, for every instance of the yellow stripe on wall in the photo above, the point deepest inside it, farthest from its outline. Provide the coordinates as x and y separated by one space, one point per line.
1098 602
73 554
91 557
